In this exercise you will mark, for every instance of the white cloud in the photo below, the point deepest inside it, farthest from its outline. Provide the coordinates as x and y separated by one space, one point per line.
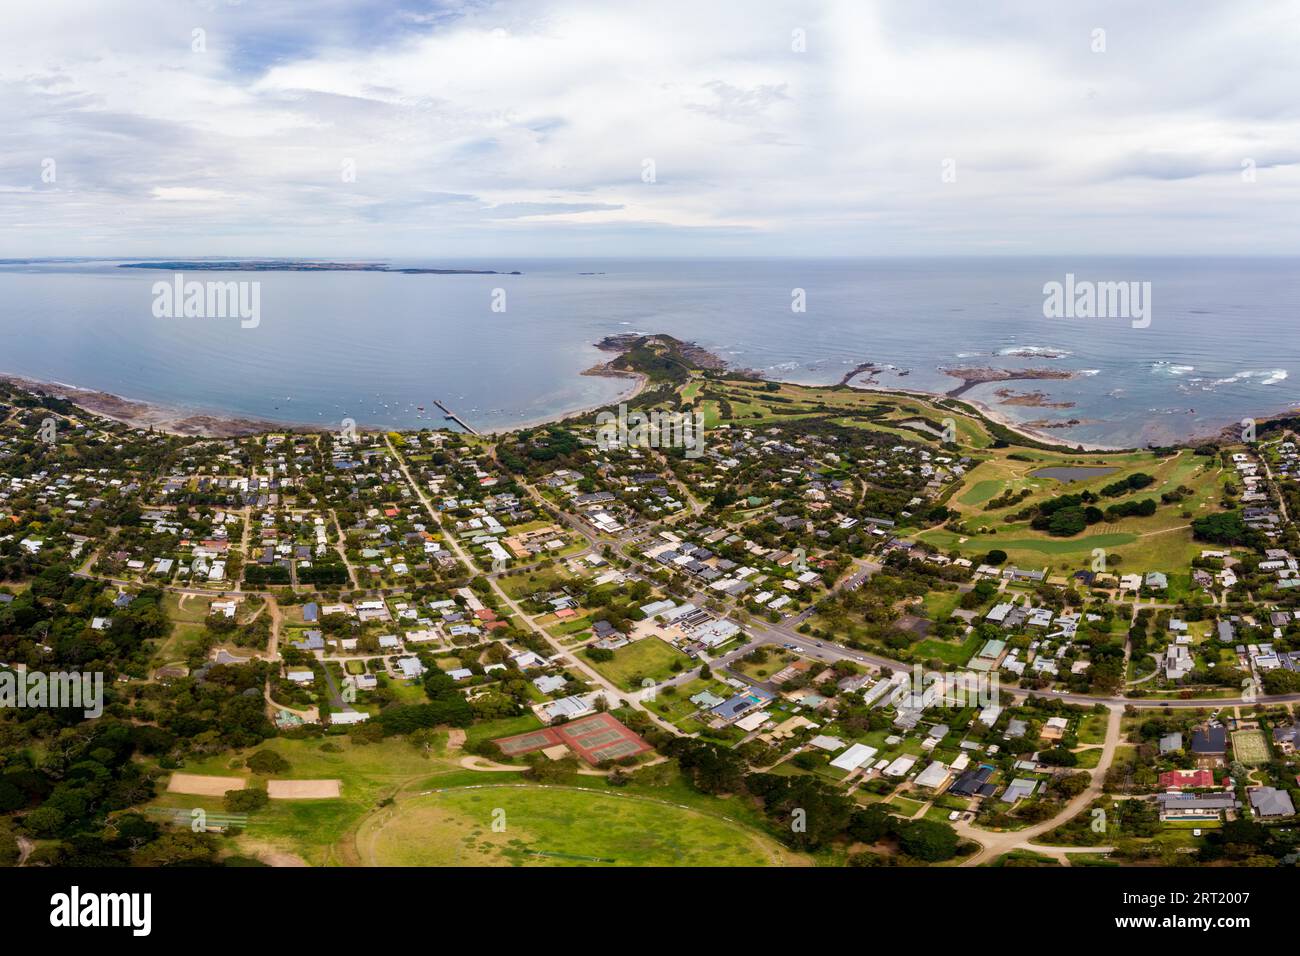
518 128
188 194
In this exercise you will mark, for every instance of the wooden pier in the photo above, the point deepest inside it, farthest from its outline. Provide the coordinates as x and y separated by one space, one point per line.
453 417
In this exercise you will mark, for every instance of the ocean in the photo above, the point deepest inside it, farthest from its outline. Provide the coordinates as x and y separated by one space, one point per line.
502 350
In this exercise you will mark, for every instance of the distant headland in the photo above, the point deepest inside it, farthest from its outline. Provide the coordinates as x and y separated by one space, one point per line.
296 265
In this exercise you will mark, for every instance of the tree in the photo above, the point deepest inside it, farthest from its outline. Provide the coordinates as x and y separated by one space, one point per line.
245 801
928 840
1281 682
44 821
1058 757
545 770
1225 528
135 831
708 768
267 762
8 848
1070 785
870 825
11 798
179 847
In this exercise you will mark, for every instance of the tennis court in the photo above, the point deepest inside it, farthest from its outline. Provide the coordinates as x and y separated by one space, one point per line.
595 738
526 743
1250 747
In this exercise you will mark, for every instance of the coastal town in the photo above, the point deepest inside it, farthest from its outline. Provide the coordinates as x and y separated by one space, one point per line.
686 450
859 628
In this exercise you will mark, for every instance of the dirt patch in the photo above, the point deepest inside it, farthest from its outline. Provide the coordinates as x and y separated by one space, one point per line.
303 789
272 855
199 785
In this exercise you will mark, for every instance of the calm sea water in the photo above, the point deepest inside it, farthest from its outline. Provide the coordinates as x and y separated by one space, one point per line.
1222 343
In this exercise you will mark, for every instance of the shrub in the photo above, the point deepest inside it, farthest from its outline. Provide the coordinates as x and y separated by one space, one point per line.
267 762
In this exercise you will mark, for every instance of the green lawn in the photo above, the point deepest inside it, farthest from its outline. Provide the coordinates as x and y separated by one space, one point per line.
979 544
530 825
1088 759
982 491
647 658
948 651
185 638
505 727
1092 729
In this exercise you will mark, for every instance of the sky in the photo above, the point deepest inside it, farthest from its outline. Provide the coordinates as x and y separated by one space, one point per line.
354 128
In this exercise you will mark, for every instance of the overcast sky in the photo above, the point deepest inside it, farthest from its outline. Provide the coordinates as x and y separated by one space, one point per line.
530 128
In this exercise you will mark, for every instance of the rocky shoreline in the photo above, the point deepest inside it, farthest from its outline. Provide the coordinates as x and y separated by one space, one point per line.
970 377
624 342
138 414
1007 396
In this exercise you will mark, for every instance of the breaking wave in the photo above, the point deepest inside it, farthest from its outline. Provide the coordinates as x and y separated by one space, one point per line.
1034 351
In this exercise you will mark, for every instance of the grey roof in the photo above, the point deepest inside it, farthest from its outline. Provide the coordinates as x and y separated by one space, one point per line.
1019 789
1195 801
970 782
1271 802
1210 740
1291 733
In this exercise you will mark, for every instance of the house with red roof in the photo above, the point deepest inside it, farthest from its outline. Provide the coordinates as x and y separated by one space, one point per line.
1186 779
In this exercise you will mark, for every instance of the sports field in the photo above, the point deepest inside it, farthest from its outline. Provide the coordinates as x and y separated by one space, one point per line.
556 826
1250 747
302 789
204 786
